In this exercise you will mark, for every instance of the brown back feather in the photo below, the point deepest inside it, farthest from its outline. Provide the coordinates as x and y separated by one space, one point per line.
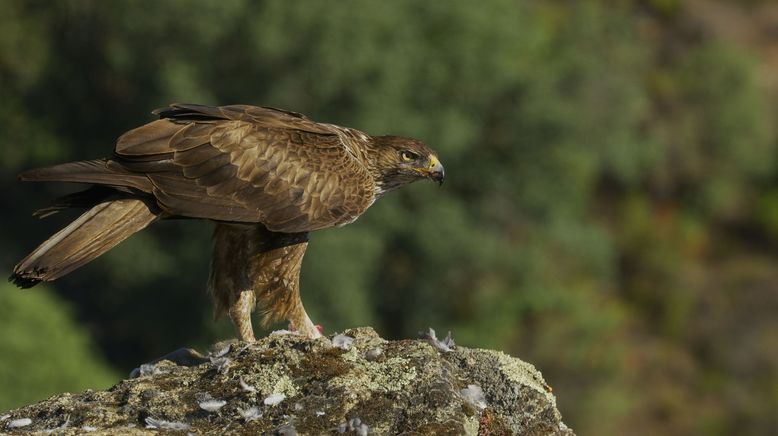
250 164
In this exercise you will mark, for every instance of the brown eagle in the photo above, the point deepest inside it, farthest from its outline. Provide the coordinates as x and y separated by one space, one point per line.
265 176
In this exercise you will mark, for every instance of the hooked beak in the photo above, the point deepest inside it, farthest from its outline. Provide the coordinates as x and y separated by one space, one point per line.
435 170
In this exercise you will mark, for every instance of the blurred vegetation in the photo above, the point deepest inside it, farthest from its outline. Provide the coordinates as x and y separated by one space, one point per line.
45 352
610 212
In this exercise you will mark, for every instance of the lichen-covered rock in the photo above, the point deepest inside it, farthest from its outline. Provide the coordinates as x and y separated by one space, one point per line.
285 384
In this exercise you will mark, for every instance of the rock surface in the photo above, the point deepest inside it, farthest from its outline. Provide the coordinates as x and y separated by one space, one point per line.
285 384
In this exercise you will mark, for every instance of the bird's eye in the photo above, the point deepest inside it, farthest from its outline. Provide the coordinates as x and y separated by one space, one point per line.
408 156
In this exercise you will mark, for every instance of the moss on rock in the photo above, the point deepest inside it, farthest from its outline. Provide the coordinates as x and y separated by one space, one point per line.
393 387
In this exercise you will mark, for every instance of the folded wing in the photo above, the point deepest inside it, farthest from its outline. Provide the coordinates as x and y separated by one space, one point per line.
248 164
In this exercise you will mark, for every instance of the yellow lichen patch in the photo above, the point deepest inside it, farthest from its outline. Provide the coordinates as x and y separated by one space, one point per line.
285 386
391 375
471 425
352 355
272 380
521 372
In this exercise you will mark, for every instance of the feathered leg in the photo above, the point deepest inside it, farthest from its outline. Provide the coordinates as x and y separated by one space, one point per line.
240 314
228 282
276 277
252 265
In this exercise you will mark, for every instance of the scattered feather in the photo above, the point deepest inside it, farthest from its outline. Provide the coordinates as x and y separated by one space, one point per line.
356 425
240 350
221 353
18 423
212 405
319 413
282 332
362 430
151 369
250 414
166 425
445 345
135 373
373 354
274 399
474 395
246 387
286 430
89 428
342 341
221 364
65 424
147 369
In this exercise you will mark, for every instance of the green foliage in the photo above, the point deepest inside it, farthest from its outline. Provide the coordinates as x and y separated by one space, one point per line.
45 351
610 194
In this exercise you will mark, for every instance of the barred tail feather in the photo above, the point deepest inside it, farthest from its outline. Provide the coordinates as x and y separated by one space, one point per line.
98 230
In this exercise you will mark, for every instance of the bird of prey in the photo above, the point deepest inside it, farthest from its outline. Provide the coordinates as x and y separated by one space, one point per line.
267 177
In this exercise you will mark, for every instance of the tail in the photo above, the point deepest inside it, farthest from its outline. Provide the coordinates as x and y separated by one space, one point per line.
98 230
80 200
99 172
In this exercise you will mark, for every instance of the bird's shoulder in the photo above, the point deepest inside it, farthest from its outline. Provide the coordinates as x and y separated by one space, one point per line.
260 116
237 126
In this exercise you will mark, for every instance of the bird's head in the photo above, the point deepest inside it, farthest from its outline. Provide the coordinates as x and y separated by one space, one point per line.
399 161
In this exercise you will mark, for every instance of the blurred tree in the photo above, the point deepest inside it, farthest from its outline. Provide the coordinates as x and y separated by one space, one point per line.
45 351
610 213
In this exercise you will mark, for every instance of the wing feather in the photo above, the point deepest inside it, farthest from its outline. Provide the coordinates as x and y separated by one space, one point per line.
224 174
196 156
250 164
191 136
149 139
208 166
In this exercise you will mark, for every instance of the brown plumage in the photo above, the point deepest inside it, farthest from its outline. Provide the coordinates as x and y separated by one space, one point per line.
266 176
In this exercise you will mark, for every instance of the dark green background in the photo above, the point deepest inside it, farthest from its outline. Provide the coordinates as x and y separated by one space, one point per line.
610 211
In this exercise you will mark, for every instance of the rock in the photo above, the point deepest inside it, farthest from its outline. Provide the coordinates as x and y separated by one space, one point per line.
410 387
